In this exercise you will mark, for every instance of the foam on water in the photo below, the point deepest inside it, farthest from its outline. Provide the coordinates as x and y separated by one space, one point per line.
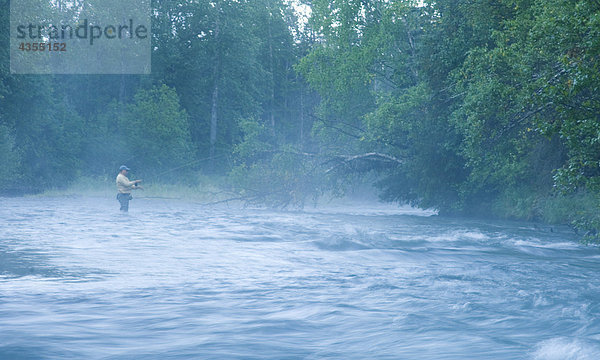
563 348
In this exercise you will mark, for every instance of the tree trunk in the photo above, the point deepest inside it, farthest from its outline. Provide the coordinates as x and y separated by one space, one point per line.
213 119
214 114
272 69
411 42
301 116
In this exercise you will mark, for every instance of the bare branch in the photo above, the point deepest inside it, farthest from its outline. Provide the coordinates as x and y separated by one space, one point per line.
344 160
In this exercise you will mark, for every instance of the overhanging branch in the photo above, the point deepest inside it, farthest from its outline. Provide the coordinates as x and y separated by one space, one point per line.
352 161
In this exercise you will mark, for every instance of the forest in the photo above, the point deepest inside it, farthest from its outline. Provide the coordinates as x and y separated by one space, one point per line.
474 108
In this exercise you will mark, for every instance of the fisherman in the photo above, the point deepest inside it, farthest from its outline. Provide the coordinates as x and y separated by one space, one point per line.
125 186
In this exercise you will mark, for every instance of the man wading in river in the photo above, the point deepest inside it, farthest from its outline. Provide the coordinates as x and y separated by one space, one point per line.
125 186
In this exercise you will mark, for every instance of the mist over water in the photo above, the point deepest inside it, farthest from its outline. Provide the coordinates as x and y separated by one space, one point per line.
177 280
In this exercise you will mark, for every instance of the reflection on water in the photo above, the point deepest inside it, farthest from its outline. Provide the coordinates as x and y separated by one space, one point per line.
176 280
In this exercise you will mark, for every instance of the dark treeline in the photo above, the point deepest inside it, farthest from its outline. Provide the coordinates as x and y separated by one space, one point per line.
215 65
471 107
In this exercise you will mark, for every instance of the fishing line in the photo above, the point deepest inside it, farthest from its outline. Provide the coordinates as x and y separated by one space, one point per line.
186 165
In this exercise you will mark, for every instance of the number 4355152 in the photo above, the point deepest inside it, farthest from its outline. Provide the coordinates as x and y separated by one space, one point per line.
43 46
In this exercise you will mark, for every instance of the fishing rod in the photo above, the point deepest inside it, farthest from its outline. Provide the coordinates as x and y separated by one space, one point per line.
186 165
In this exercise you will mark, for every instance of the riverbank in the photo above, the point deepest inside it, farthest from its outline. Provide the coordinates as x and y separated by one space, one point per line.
579 211
203 190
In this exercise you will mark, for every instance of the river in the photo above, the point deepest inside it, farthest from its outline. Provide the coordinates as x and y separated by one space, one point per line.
177 280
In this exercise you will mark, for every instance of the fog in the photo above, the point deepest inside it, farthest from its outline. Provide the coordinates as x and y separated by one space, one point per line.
299 179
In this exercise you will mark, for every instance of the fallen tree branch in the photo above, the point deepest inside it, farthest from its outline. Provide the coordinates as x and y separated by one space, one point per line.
239 198
345 160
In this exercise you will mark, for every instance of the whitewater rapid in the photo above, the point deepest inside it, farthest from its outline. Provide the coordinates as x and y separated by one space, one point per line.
178 280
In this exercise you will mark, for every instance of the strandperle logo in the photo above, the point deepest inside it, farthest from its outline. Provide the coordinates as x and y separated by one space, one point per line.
80 37
32 32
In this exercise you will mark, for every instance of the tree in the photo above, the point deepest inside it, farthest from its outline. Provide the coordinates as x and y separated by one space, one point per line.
156 131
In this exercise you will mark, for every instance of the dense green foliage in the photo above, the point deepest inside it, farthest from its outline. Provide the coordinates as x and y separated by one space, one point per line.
470 107
492 106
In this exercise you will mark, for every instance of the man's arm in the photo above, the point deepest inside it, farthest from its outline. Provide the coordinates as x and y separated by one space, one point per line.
136 184
126 183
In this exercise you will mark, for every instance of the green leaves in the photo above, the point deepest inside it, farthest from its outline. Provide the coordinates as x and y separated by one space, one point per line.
156 130
484 101
271 175
10 158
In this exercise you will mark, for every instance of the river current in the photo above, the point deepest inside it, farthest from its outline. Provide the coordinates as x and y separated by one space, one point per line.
178 280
